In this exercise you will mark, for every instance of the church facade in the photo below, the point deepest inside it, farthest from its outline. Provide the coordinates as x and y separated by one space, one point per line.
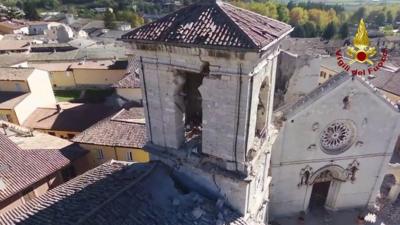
333 149
208 76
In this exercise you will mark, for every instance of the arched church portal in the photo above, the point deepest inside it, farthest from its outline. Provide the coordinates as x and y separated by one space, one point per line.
323 187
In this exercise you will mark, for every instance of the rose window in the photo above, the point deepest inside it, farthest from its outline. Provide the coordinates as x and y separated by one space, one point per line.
338 136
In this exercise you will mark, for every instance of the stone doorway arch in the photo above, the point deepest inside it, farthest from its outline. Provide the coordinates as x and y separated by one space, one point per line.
334 174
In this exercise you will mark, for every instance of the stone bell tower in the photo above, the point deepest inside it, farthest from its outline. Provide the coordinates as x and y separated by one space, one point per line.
208 76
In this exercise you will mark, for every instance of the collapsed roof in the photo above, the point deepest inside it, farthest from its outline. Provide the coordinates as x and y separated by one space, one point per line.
212 24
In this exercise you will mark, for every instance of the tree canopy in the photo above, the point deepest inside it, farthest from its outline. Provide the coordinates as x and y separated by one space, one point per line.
329 31
109 20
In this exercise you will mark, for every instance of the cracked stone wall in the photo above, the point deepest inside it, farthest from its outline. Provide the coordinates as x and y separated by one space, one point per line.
297 75
230 95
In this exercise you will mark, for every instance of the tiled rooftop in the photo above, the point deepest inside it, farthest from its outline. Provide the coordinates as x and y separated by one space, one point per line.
101 65
14 73
214 24
27 138
129 81
291 108
119 193
10 45
124 129
15 24
310 46
93 53
384 79
8 100
387 81
12 59
74 117
18 173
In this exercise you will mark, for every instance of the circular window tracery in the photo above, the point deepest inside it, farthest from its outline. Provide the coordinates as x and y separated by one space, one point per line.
338 136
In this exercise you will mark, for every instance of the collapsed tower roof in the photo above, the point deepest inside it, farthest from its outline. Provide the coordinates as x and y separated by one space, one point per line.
212 24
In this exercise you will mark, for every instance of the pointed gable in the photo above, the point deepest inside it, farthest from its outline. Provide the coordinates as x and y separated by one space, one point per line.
292 108
216 24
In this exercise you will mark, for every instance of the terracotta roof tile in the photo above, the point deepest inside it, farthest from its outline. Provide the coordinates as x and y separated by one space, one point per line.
22 168
129 81
124 129
215 24
290 109
9 45
12 59
74 117
15 73
118 193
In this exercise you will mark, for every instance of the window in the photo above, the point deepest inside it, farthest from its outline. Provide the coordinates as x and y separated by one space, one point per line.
323 74
189 104
100 154
52 133
338 136
262 109
129 156
28 194
70 136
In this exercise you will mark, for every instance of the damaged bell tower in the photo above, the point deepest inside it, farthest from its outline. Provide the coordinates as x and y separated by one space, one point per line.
208 76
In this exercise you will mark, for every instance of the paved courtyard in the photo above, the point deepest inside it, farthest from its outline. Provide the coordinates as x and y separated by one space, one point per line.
383 213
323 217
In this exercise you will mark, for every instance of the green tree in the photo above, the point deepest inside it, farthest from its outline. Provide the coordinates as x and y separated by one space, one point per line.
310 29
344 31
30 10
397 19
19 5
267 9
380 19
319 17
14 13
109 20
48 4
318 30
389 17
358 15
283 13
298 31
377 18
329 31
71 9
272 11
291 5
298 16
136 20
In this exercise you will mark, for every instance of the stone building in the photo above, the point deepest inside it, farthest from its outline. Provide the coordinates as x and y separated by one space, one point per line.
208 73
333 148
